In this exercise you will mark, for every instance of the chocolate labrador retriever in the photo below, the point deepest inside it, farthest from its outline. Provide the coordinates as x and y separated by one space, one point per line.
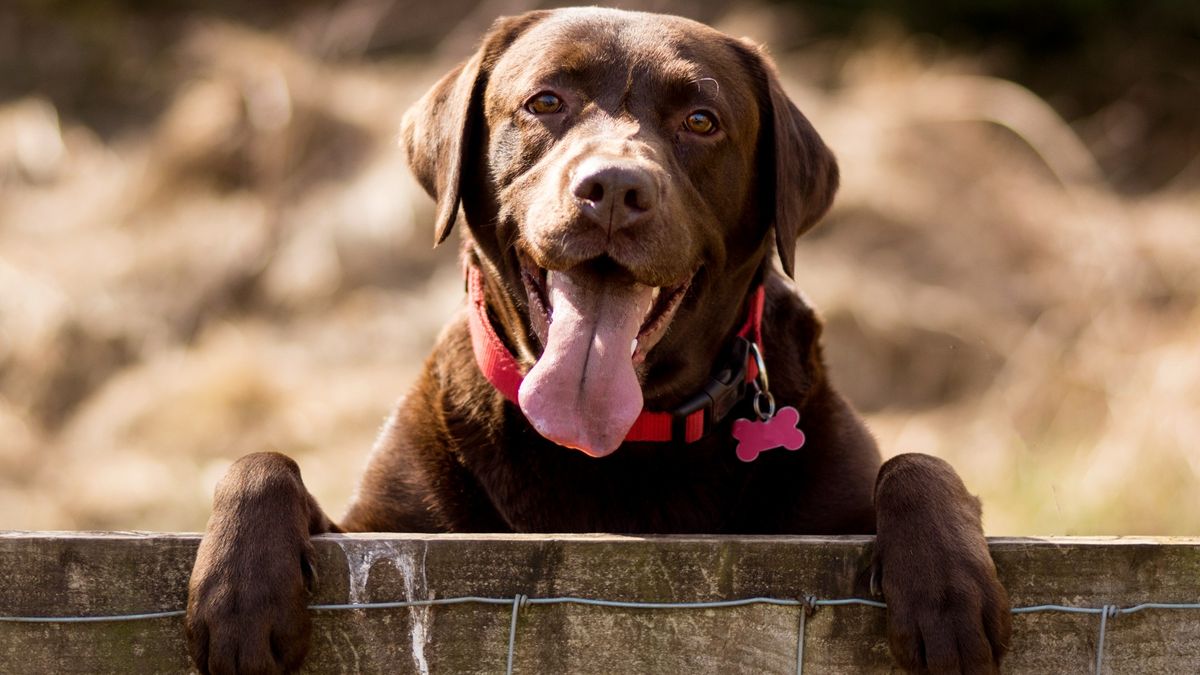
629 359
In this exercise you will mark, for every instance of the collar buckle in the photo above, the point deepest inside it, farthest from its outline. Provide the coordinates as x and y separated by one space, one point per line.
724 390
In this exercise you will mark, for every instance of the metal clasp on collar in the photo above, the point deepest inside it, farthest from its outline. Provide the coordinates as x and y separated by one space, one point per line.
762 392
725 389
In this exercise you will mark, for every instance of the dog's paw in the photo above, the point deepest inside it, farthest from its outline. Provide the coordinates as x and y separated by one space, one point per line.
248 596
248 610
947 611
950 616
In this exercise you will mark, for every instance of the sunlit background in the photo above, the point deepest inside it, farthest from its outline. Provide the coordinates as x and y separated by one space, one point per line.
211 245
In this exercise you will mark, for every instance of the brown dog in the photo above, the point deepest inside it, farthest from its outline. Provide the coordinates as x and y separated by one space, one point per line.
624 178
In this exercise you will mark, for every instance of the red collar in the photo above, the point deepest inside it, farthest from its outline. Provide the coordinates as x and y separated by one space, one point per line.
688 422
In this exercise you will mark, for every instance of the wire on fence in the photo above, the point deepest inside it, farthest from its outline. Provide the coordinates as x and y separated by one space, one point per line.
807 605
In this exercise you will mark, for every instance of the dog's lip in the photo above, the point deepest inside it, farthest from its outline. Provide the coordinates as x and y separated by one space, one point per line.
659 318
655 323
534 280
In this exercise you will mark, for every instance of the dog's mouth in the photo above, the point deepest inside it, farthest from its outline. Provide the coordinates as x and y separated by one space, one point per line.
596 323
664 301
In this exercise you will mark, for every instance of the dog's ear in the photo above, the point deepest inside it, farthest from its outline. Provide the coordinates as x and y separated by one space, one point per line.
439 130
801 172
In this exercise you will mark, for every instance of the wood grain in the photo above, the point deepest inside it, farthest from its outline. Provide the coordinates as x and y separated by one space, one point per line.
87 574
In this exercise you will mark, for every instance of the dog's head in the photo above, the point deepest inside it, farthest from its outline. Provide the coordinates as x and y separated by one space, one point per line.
623 177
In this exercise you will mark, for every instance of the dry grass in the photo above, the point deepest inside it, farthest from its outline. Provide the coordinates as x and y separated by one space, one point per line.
251 270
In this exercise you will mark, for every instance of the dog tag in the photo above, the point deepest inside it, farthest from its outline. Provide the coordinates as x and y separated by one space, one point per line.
776 431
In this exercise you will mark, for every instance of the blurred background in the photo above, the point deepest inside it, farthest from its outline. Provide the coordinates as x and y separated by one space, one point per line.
211 245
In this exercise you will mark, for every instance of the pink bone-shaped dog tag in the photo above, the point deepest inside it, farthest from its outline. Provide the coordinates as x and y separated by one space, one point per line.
778 431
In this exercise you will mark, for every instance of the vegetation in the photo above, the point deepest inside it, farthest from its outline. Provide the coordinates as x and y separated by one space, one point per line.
210 245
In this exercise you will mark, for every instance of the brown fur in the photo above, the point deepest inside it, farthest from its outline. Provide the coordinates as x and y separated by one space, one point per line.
457 457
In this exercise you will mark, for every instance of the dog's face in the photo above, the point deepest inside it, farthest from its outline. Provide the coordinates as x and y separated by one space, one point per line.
621 174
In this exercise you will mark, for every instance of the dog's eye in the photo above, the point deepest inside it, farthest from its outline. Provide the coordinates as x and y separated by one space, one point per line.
544 103
700 122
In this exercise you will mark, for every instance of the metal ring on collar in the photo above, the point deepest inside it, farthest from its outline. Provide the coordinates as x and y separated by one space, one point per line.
762 367
758 398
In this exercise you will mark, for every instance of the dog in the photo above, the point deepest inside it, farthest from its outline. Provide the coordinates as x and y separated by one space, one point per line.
630 358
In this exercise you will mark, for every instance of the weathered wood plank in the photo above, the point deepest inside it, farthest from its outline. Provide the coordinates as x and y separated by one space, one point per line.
85 574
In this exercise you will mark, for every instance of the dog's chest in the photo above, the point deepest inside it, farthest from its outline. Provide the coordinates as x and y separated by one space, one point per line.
546 488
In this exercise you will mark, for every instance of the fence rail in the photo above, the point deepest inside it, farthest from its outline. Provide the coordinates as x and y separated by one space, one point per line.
109 602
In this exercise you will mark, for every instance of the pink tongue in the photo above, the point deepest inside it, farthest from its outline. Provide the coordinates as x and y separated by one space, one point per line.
582 393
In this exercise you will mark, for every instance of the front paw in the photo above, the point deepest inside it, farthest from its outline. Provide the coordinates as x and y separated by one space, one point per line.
248 596
248 614
946 615
947 612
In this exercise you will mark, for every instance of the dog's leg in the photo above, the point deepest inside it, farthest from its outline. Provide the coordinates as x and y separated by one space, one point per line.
947 612
248 596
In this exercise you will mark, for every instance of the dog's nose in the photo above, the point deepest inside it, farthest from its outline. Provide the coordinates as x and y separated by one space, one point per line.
614 194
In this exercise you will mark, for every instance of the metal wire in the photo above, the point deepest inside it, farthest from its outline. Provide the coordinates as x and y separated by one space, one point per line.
92 619
1105 612
806 605
517 603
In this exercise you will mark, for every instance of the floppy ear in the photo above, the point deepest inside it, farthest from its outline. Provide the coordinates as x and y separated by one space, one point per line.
801 172
439 131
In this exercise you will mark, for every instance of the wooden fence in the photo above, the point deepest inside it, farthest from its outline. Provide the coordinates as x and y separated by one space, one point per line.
94 574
